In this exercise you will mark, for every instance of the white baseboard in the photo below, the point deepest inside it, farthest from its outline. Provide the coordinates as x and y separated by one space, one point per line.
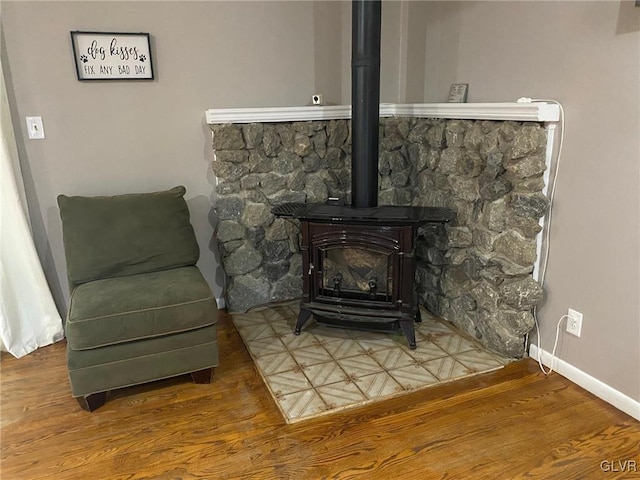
610 395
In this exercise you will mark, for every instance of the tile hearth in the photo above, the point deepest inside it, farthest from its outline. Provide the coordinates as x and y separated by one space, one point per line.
326 369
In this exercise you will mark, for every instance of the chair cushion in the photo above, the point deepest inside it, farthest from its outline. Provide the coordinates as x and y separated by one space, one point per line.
135 307
126 234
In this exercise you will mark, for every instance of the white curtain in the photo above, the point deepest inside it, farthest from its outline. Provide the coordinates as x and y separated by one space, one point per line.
28 315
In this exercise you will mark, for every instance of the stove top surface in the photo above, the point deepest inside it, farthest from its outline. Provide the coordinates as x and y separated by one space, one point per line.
386 214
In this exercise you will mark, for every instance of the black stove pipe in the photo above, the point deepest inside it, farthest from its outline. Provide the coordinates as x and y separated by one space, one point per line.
365 101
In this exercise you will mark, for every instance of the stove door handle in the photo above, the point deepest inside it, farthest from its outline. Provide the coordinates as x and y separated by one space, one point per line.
373 286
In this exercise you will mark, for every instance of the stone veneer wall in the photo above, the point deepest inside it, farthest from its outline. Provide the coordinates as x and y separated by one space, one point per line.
475 273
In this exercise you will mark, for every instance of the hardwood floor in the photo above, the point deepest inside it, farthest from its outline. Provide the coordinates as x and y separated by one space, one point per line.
511 424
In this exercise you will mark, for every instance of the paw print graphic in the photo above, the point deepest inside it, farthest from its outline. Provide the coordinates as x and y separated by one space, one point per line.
84 59
142 58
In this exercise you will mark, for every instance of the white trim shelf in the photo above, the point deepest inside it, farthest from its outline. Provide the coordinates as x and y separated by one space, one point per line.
526 112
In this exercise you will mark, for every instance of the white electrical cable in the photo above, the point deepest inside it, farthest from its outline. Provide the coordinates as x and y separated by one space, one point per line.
552 189
547 240
555 344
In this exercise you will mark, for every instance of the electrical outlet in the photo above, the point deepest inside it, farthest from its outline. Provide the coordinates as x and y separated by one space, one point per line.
35 129
574 322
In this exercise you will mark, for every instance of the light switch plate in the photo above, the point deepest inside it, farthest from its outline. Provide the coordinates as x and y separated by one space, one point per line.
35 128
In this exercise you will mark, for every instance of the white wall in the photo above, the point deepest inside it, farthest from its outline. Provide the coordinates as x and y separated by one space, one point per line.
116 137
392 59
587 56
107 138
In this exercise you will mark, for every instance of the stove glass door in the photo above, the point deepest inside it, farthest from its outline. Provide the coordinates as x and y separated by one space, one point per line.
358 273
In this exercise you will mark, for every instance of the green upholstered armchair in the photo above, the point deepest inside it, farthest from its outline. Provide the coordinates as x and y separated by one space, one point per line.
140 309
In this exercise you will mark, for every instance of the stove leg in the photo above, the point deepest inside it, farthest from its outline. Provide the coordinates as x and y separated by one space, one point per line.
303 316
409 332
416 302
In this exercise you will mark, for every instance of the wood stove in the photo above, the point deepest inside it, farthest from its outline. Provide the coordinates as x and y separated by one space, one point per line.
359 260
358 264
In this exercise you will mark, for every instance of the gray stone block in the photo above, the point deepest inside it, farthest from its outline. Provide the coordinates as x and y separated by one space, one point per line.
316 189
229 208
490 147
255 237
466 189
249 182
231 246
255 196
523 294
227 188
528 227
311 163
276 250
245 292
274 271
295 265
499 338
528 185
301 145
228 230
305 128
252 134
338 133
286 162
259 162
257 215
451 160
296 180
230 172
527 166
287 135
495 215
493 190
435 135
516 248
459 237
474 136
270 141
455 282
287 197
277 230
227 137
528 140
455 132
319 141
510 268
272 183
418 133
288 288
486 296
243 260
232 156
533 205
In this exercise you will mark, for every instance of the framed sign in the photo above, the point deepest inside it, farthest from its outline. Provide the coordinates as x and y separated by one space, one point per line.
112 56
458 92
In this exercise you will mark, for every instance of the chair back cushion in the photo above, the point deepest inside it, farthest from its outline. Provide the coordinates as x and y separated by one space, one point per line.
126 234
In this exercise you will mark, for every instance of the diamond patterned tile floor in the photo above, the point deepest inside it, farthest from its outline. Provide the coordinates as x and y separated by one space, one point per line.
324 370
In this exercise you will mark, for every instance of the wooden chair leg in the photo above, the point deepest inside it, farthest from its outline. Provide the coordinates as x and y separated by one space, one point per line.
93 401
202 376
